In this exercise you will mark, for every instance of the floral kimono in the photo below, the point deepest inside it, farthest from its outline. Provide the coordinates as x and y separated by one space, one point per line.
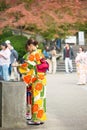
81 67
36 85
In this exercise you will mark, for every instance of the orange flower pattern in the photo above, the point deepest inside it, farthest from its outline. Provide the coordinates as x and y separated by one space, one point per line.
31 57
38 86
40 113
34 79
41 76
35 108
37 56
24 65
27 79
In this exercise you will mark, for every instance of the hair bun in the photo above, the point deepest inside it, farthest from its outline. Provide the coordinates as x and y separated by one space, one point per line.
35 43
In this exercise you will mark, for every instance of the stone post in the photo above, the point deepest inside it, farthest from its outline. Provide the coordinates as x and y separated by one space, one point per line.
12 104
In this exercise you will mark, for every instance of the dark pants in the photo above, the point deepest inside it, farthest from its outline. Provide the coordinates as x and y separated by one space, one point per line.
10 69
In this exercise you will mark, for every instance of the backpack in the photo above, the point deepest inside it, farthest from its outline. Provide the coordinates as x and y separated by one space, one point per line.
47 54
43 67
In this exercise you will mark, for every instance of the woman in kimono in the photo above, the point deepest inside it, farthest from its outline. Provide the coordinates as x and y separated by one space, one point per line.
35 82
81 66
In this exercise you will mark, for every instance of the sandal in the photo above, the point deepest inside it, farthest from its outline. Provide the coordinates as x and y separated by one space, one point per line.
41 123
33 123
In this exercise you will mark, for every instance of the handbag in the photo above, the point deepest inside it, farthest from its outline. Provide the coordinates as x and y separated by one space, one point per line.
43 66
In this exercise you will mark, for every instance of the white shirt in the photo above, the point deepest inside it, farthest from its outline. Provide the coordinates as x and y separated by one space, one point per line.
5 57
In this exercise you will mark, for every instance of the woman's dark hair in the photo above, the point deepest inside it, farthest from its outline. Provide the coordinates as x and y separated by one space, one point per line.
82 48
4 44
32 41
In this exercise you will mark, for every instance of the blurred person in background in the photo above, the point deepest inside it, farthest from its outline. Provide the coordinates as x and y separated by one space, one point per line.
68 55
48 56
81 64
4 61
54 63
13 73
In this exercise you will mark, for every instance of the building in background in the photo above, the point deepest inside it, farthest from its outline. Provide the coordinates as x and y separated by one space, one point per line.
71 40
81 38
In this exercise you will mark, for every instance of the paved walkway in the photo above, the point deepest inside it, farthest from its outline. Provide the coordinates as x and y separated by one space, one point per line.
66 104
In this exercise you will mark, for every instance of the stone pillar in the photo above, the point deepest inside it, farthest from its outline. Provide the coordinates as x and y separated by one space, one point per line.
81 38
12 104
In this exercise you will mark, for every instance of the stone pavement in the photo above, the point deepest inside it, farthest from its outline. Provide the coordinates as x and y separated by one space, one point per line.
66 104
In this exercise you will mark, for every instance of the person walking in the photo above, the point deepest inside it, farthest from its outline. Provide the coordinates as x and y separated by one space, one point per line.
36 82
81 64
4 61
54 63
68 55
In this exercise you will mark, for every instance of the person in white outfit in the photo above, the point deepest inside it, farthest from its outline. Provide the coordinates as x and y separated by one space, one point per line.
54 63
13 72
81 66
4 61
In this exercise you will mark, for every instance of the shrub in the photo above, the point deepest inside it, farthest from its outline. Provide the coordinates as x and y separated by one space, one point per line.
5 33
18 42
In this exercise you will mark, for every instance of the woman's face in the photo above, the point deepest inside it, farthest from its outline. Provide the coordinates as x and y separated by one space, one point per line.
80 49
3 47
30 47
